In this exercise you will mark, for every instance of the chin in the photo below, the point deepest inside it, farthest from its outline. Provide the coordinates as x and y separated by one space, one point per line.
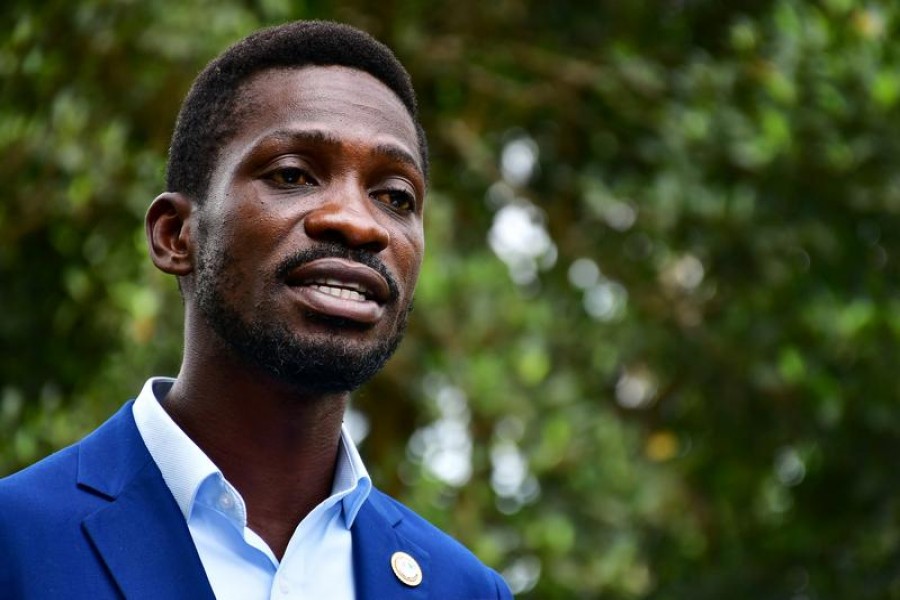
334 365
339 358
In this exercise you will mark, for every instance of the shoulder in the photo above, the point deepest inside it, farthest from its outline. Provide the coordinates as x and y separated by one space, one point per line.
454 565
51 494
43 507
31 488
423 533
44 499
38 516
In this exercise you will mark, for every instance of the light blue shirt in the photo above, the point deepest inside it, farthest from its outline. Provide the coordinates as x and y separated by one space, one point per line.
318 561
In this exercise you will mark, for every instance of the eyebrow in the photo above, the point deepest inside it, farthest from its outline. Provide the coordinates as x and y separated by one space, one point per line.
317 136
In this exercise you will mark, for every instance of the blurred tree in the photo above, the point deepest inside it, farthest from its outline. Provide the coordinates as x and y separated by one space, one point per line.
650 356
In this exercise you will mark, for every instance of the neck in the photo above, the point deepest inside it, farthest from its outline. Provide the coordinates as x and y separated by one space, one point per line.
275 443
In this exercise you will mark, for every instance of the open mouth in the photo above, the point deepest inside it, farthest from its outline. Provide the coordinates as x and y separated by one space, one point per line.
337 287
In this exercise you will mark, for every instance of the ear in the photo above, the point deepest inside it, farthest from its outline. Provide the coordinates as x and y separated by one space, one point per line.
169 226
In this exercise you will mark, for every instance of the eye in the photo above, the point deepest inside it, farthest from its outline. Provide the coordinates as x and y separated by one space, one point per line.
400 200
290 177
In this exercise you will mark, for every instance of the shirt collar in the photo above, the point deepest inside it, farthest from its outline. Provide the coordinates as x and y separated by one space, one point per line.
351 479
185 467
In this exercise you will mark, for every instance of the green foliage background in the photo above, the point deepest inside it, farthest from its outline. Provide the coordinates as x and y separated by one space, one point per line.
703 406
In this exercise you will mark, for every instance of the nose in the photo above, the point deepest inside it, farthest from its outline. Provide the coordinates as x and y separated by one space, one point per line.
347 221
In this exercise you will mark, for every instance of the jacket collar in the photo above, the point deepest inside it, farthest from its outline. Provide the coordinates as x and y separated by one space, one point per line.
375 541
141 535
143 539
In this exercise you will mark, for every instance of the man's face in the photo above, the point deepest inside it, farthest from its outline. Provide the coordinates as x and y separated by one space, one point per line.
310 240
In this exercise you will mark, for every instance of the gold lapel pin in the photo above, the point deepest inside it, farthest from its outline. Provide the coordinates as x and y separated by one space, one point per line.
406 569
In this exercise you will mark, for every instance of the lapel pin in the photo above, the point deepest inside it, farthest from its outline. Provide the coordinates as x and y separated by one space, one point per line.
406 569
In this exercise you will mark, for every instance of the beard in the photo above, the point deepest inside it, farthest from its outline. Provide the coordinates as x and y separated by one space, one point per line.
312 363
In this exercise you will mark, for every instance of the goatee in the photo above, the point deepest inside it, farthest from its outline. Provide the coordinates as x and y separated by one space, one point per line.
320 363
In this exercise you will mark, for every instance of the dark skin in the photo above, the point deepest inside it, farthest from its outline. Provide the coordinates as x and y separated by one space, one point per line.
330 155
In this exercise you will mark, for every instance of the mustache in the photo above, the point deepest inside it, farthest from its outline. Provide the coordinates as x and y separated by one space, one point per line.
333 250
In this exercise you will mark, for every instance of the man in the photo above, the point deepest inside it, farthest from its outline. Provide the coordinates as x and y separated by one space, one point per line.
293 222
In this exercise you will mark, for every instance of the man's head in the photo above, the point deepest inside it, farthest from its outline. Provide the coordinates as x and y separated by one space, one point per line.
297 232
213 108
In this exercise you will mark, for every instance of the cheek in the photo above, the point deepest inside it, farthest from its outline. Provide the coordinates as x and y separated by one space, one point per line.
251 233
411 260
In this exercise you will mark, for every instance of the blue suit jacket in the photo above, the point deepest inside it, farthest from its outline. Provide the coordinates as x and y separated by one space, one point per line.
97 521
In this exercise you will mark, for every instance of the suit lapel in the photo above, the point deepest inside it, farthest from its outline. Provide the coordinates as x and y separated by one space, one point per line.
375 540
141 536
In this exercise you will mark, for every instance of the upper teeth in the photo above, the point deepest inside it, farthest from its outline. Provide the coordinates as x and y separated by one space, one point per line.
340 289
349 285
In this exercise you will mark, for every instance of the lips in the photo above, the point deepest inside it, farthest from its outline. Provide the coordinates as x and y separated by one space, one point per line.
341 288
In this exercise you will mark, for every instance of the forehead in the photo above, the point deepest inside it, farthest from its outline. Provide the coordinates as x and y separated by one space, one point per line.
351 105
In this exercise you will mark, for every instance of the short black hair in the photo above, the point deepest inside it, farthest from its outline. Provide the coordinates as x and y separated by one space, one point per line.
209 116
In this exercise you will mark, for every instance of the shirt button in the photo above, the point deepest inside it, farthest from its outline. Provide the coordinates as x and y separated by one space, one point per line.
284 586
225 501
